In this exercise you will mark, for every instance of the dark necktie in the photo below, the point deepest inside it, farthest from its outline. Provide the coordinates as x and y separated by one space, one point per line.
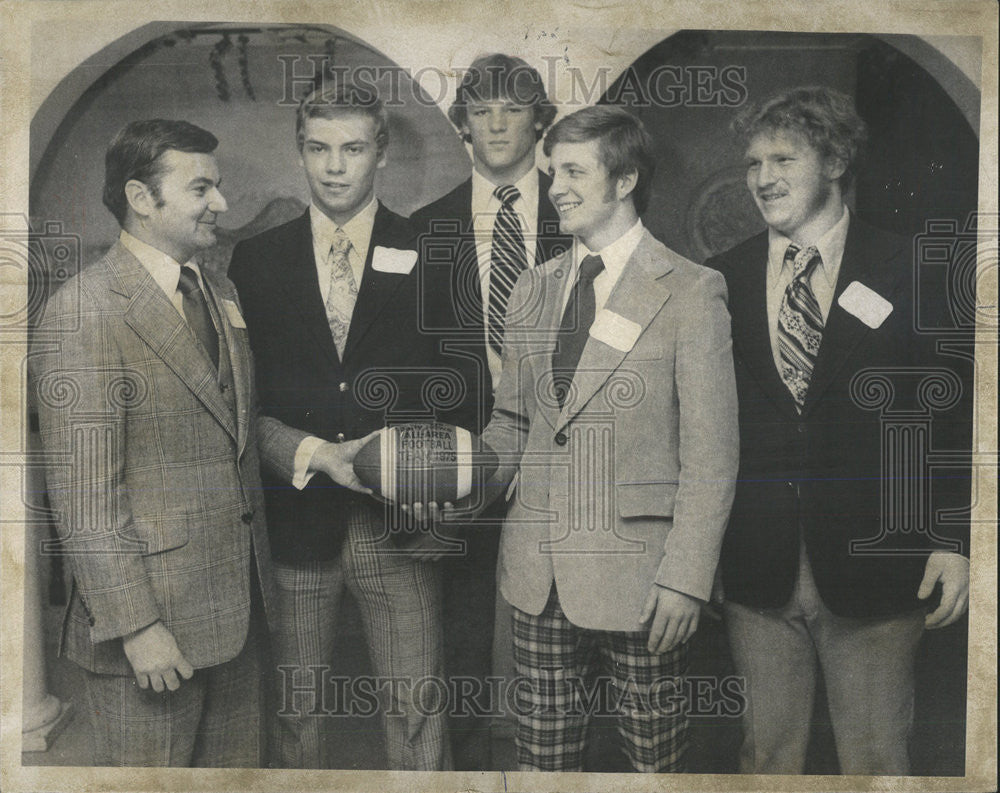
800 324
507 261
575 327
196 311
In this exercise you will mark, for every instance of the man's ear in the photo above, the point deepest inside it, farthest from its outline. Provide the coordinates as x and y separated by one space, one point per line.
834 167
139 197
626 184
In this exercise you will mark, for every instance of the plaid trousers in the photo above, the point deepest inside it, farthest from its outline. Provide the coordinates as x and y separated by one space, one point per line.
400 603
212 721
562 667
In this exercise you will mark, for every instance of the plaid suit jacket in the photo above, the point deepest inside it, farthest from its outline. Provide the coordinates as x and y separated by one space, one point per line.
151 467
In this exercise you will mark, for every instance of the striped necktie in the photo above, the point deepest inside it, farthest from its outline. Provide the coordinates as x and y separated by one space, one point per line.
343 292
196 312
507 260
800 324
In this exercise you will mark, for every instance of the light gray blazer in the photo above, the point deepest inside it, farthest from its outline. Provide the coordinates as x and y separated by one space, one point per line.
631 482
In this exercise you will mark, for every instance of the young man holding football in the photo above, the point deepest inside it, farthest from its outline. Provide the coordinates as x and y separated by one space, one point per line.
332 307
616 409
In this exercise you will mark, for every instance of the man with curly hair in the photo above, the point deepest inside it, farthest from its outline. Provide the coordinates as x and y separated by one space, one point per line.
815 577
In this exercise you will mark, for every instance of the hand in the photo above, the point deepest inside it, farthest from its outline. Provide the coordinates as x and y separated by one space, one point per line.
952 570
336 460
156 659
674 615
430 513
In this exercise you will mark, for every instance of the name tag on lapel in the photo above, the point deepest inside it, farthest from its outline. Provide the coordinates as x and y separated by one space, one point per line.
865 304
233 312
615 330
393 260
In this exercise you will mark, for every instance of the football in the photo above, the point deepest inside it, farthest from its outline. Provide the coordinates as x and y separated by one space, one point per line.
424 462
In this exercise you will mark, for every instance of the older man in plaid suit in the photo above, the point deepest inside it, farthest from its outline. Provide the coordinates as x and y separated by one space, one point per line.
148 418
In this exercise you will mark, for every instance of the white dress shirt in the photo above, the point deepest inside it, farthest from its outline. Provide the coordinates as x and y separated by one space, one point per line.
485 206
163 268
359 231
615 256
823 280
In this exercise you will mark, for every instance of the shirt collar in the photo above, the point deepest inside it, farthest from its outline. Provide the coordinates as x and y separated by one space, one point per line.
358 229
483 199
830 247
164 269
616 255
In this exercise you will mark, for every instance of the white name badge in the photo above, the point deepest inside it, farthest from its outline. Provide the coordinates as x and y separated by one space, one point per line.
393 260
615 330
865 304
233 312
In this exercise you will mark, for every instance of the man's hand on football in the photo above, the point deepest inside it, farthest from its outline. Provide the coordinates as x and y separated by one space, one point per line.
952 570
156 659
428 513
336 460
674 618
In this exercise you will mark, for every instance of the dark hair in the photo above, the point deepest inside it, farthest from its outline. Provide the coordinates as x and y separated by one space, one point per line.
136 153
825 117
331 100
498 76
624 145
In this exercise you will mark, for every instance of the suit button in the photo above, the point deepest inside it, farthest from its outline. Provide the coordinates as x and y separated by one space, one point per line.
801 428
341 437
561 438
247 517
91 621
790 484
343 387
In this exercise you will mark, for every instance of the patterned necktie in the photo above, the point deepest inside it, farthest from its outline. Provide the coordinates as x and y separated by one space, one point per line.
575 327
196 312
343 290
507 261
800 324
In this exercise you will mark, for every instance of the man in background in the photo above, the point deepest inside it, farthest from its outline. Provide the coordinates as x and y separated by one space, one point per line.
817 299
477 239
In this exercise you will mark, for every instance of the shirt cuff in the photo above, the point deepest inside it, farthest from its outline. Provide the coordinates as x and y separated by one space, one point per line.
303 457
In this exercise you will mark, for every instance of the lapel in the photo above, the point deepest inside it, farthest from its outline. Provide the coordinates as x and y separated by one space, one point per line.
154 319
300 284
863 261
389 231
638 296
239 356
465 277
748 305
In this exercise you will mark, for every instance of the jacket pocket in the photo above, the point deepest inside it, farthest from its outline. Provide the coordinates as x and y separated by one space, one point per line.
655 499
160 534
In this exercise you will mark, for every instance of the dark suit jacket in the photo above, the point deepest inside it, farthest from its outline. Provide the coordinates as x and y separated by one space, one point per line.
391 371
448 250
821 472
153 465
